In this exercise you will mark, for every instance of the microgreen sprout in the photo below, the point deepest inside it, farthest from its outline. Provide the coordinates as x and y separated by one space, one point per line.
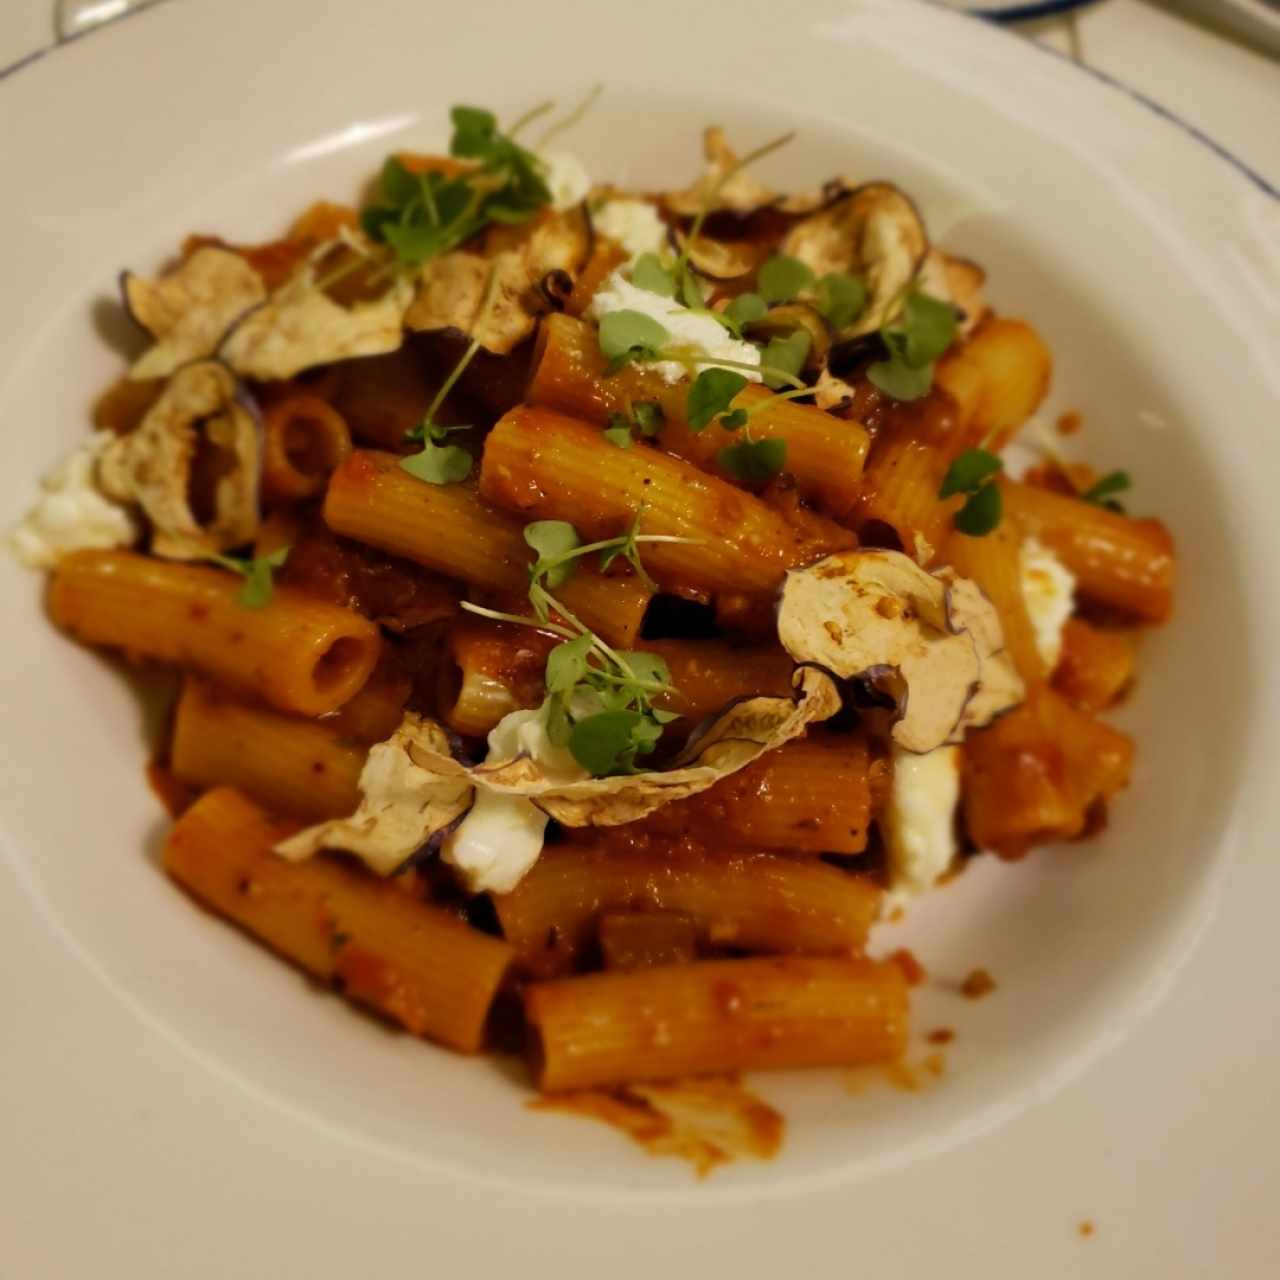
618 686
438 462
923 330
974 473
258 573
1100 493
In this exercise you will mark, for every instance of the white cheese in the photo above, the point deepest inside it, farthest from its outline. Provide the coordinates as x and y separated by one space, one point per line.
501 837
496 843
634 224
71 514
690 331
1048 587
565 177
920 819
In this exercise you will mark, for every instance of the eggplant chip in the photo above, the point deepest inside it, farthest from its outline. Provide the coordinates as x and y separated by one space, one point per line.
873 232
414 790
189 310
192 464
300 326
452 289
403 802
741 194
932 645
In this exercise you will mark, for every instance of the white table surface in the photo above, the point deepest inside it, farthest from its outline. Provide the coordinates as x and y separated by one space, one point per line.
1219 84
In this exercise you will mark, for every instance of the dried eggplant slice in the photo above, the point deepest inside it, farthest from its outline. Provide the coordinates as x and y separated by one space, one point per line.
203 409
188 310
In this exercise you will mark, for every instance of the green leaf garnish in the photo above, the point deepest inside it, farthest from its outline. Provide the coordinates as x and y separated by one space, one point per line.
650 668
257 571
899 380
734 419
841 299
621 685
930 328
783 358
922 333
646 417
969 472
631 335
439 464
607 743
974 473
567 663
419 216
782 278
552 540
753 462
649 273
1100 494
746 309
710 394
981 513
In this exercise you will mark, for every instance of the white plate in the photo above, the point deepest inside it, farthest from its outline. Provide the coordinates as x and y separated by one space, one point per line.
177 1103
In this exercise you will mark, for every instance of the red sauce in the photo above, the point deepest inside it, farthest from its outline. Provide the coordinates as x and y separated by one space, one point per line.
708 1121
943 1035
914 972
395 593
1069 423
977 984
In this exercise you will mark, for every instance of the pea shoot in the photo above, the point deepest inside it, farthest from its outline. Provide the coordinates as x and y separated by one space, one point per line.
781 278
439 462
599 700
645 418
419 216
840 299
974 473
258 573
922 332
1101 493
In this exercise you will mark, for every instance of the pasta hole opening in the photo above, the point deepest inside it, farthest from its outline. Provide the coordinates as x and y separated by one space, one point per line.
336 664
308 446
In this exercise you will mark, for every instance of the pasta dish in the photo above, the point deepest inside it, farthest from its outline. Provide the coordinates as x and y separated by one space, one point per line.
595 609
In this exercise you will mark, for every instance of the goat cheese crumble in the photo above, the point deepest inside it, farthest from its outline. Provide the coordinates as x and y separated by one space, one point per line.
566 179
71 513
501 837
634 224
920 819
691 331
1048 587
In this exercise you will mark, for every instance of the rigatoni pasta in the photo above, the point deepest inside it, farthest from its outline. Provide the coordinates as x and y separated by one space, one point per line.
296 653
751 901
414 963
727 1015
453 530
625 588
303 768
